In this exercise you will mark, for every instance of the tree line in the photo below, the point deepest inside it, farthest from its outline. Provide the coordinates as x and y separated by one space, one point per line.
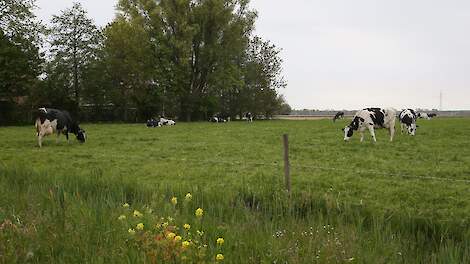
186 59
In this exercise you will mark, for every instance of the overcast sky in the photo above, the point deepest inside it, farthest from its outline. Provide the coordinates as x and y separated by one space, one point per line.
343 54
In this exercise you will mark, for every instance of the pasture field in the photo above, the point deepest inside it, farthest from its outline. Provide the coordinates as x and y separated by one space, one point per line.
406 201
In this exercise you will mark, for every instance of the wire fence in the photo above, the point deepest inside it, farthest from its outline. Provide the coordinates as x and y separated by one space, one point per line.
295 166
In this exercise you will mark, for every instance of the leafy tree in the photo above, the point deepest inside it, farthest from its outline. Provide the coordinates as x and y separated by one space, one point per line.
74 41
20 59
194 42
263 78
130 67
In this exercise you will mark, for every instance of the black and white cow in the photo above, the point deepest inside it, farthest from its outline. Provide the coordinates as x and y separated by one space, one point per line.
153 123
51 121
249 117
371 118
166 122
431 115
407 119
216 119
339 115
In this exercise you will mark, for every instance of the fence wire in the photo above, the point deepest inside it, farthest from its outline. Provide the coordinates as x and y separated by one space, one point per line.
310 167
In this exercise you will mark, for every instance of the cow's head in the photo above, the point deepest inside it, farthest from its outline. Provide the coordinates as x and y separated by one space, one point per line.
81 135
412 129
348 132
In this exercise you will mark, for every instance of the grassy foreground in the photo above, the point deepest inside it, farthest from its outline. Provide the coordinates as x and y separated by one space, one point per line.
351 202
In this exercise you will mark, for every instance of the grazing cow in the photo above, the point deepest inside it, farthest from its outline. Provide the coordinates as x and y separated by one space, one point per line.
371 118
153 123
423 115
407 119
51 121
216 119
167 122
431 115
339 115
249 117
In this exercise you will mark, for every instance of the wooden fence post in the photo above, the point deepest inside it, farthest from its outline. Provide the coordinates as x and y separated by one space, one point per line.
286 162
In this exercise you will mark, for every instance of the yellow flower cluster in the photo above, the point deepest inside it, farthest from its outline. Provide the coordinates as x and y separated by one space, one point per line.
174 200
199 212
137 214
177 241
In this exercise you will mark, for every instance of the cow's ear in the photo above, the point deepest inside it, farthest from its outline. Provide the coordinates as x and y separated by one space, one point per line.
342 129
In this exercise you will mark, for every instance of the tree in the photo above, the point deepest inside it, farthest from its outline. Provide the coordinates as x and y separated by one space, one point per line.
263 78
20 60
130 68
193 41
74 42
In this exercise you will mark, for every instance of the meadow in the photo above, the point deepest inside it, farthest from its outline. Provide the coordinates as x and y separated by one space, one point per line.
405 201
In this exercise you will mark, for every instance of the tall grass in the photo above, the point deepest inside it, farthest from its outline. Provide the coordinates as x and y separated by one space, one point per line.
350 202
73 219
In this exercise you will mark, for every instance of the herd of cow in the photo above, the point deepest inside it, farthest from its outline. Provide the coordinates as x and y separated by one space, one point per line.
53 121
372 118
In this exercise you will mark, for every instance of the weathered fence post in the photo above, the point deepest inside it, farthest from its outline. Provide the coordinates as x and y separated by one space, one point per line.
286 162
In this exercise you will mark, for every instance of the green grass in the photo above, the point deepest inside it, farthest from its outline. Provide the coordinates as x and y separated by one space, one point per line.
375 203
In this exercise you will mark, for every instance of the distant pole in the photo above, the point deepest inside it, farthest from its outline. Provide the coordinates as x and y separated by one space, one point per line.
286 162
440 100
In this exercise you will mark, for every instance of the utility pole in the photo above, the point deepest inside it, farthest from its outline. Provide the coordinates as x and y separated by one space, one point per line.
440 100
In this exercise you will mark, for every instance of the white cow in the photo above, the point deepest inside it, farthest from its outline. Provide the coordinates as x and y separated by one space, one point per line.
371 118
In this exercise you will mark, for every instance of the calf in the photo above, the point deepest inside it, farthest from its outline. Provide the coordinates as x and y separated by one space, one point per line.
371 118
50 121
407 119
338 115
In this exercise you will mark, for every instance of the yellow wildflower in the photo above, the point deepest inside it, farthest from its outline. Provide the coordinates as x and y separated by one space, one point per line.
122 217
220 241
200 232
188 197
165 224
140 226
219 257
158 226
137 214
131 231
199 212
170 235
125 205
187 226
185 244
178 238
174 200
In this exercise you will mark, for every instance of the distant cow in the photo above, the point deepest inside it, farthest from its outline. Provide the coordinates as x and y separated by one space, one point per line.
423 115
371 118
216 119
153 123
167 122
407 119
338 115
249 117
50 121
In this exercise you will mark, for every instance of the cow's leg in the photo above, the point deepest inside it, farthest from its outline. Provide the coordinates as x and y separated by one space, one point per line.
372 133
57 137
39 139
362 134
392 132
67 136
